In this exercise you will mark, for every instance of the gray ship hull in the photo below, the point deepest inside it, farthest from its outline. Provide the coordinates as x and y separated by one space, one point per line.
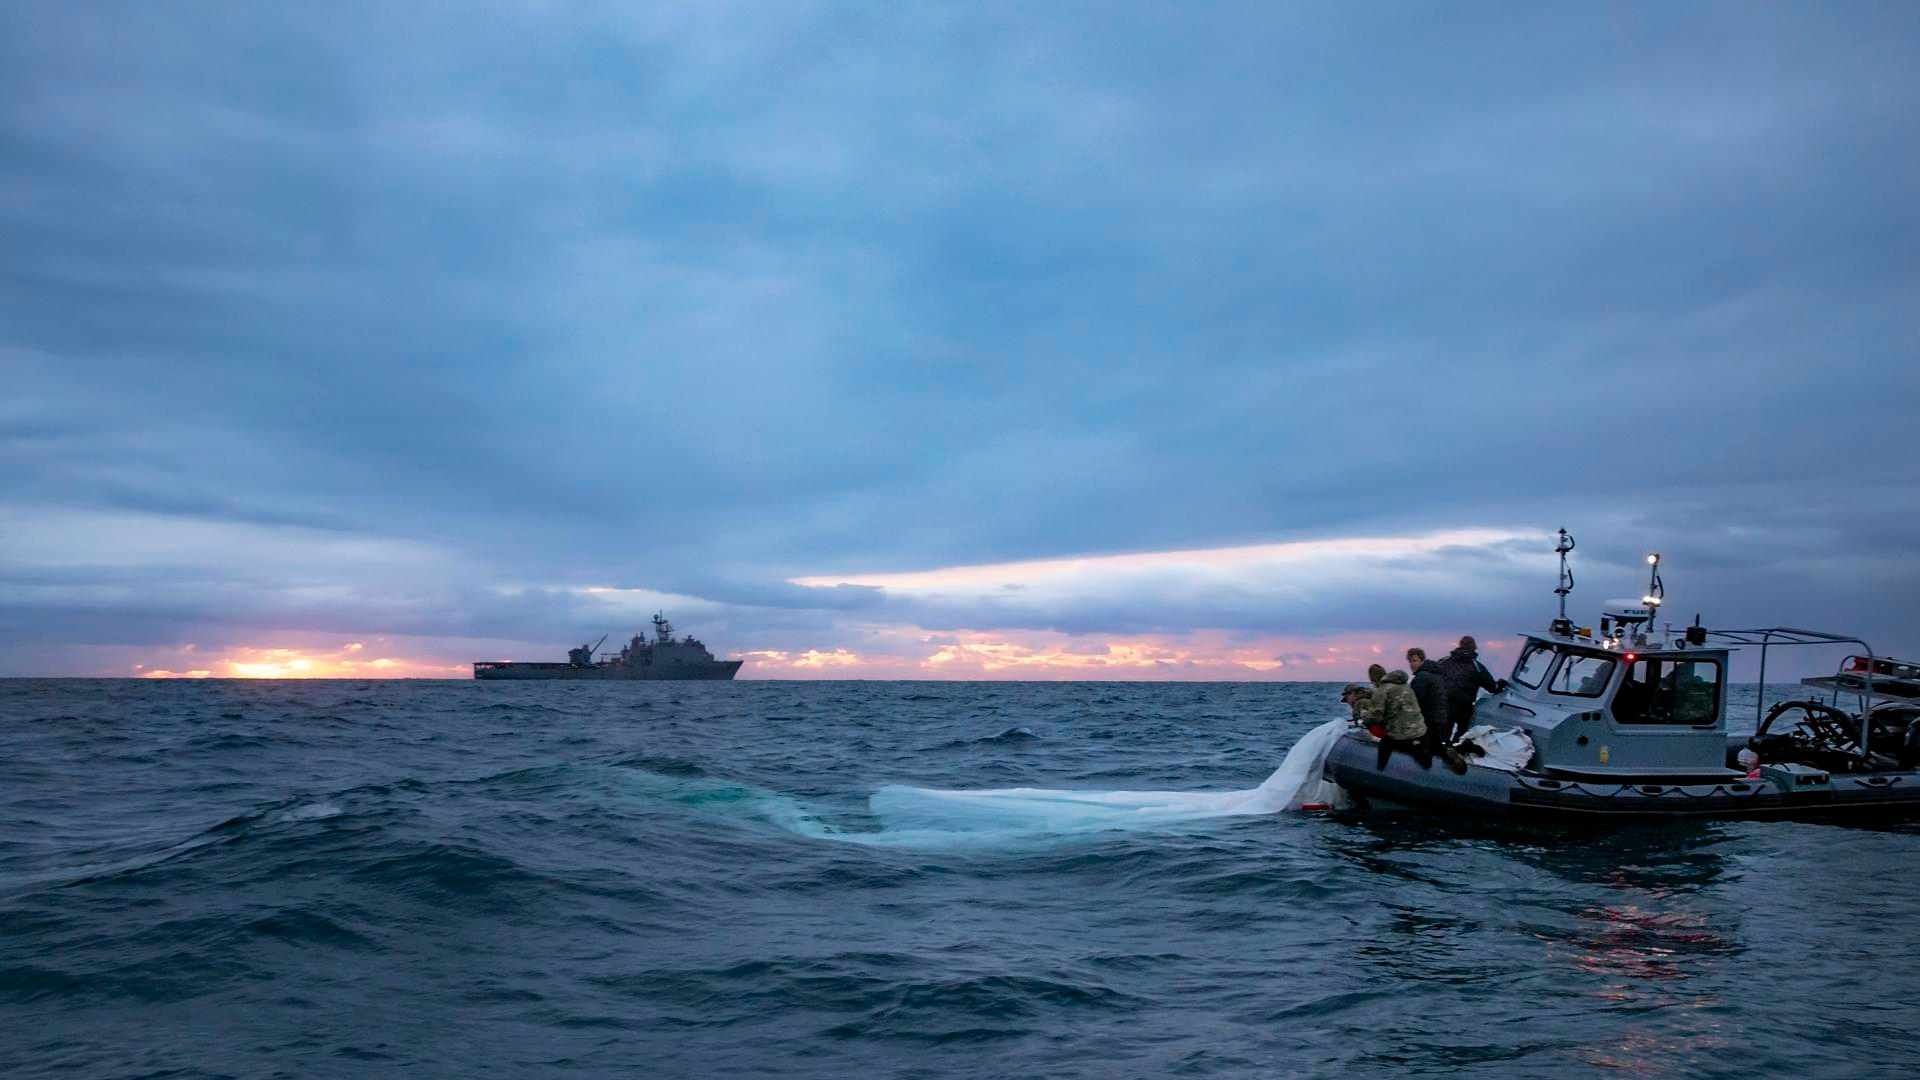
672 670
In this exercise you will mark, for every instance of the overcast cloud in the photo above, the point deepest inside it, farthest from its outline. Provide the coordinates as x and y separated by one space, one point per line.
465 330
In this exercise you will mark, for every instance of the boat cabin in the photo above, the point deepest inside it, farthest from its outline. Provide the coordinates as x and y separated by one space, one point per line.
1595 707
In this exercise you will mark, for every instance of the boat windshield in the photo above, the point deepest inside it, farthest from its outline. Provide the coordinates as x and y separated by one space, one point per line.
1533 664
1583 676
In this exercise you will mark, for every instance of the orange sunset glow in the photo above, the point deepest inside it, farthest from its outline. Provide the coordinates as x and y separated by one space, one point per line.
350 661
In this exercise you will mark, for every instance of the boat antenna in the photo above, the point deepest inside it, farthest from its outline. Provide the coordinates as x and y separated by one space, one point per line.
1561 625
1656 589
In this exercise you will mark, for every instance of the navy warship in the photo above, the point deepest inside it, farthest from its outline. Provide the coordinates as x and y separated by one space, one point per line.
665 657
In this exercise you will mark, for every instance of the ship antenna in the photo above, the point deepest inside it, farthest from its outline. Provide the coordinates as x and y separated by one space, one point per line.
1561 625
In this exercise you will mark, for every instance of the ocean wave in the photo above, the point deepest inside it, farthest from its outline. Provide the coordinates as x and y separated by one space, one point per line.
1013 736
453 876
663 766
229 741
306 926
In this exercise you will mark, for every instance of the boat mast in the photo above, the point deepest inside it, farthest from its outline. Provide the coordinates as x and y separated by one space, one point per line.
1562 625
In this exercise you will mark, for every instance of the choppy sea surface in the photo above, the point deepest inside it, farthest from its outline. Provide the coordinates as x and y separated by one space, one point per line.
347 879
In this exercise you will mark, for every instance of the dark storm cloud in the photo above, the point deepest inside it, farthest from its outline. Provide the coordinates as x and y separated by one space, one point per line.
414 319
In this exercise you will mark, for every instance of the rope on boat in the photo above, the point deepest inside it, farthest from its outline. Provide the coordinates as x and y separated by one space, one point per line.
1639 791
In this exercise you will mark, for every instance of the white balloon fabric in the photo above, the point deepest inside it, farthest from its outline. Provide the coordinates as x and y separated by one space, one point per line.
1297 781
1507 750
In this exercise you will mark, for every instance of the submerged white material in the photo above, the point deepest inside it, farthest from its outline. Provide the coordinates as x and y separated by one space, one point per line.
1053 810
1508 750
910 817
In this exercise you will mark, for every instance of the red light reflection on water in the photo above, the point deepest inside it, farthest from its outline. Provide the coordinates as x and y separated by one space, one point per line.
1638 944
1644 958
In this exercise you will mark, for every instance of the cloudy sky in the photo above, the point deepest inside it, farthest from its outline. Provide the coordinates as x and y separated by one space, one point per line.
983 340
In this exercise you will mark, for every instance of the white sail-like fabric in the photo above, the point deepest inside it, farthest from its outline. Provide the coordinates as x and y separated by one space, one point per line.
1054 810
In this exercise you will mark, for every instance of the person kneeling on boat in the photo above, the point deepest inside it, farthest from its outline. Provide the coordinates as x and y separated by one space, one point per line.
1397 712
1358 698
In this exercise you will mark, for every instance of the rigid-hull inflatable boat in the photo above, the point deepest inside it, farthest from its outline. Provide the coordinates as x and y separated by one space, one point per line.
1631 723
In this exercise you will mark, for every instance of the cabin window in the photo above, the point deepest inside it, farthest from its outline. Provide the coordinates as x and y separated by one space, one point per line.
1583 676
1669 691
1533 664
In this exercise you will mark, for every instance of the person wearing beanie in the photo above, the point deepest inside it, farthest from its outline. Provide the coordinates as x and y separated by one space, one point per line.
1464 677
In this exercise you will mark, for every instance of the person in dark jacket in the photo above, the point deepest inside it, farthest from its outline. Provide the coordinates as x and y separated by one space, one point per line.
1464 677
1431 692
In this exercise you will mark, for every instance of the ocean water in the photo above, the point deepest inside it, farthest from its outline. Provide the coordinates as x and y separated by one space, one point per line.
346 879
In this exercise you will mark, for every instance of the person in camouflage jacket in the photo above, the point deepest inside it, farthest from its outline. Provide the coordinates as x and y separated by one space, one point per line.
1395 709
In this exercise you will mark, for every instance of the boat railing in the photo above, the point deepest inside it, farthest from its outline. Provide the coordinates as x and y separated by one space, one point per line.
1878 680
1768 637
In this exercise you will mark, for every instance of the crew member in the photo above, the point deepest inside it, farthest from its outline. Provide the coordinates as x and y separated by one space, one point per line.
1358 697
1465 676
1398 711
1430 690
